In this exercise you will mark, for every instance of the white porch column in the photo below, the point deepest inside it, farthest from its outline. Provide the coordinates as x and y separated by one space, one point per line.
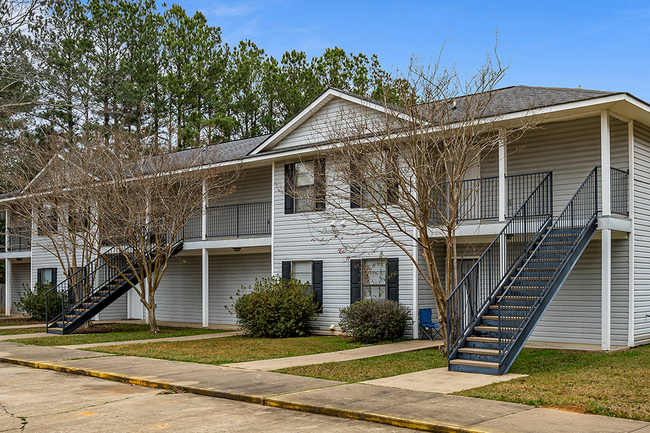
7 287
7 264
630 286
503 172
606 276
272 219
205 287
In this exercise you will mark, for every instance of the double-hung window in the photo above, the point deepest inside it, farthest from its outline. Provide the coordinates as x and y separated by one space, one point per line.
304 186
307 272
46 276
374 279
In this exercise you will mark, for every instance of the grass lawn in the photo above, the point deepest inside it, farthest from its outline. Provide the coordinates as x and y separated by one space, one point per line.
613 384
113 332
233 349
372 368
21 331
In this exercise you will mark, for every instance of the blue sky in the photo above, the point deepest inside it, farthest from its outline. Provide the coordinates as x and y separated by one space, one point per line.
594 44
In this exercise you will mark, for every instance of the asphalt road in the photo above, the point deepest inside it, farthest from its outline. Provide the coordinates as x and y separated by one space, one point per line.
47 401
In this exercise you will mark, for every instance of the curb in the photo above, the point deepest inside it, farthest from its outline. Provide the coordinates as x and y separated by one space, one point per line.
431 426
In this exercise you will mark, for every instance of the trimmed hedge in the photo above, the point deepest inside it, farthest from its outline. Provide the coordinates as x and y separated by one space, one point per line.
374 320
276 308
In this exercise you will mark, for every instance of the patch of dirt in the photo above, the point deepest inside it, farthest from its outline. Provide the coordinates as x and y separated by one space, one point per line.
17 321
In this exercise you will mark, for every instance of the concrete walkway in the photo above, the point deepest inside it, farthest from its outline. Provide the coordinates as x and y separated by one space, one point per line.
152 340
20 336
342 355
405 408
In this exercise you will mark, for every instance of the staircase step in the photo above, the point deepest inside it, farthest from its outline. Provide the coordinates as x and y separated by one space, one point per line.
490 317
510 307
518 287
556 243
490 328
471 363
544 260
518 298
554 251
530 278
532 269
477 339
475 351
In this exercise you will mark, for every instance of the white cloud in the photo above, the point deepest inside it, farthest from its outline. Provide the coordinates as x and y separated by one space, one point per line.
231 11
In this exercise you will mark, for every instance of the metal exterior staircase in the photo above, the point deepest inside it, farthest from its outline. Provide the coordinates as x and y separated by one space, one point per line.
498 331
94 287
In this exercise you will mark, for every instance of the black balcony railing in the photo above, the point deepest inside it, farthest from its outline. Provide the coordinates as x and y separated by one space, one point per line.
250 219
18 239
480 197
620 186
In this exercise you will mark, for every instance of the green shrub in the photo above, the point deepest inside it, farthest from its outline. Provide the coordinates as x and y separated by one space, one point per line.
32 301
276 308
374 320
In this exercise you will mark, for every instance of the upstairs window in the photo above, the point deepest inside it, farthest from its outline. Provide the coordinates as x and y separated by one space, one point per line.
374 186
304 186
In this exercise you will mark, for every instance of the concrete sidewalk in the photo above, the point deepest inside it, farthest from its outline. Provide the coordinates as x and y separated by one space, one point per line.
404 408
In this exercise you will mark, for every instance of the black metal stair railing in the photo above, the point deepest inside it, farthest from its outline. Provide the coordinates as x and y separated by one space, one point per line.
476 290
524 293
91 284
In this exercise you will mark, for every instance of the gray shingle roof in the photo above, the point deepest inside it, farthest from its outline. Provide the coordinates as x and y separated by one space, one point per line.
222 152
522 98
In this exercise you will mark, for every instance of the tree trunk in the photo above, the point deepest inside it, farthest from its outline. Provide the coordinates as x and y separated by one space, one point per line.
151 310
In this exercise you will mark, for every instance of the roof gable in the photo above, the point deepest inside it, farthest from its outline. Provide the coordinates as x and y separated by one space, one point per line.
333 110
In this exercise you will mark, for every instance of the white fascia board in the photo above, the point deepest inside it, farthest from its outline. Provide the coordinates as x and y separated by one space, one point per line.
328 95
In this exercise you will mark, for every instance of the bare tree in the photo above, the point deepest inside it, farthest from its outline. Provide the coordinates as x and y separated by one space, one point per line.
114 199
399 177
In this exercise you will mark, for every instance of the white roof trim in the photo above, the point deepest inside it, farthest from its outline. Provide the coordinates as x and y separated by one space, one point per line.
306 113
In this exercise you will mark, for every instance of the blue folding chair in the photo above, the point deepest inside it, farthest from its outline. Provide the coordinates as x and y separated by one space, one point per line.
428 326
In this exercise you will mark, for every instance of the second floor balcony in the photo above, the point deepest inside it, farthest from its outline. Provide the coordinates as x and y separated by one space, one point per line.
231 221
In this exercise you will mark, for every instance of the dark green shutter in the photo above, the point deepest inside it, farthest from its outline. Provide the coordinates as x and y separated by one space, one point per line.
39 276
54 272
319 183
288 188
317 284
286 270
393 279
355 281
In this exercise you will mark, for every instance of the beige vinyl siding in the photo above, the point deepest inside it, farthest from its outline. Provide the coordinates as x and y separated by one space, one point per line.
41 258
296 237
337 115
570 150
490 163
641 234
575 315
620 292
178 298
228 273
253 186
20 274
115 311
